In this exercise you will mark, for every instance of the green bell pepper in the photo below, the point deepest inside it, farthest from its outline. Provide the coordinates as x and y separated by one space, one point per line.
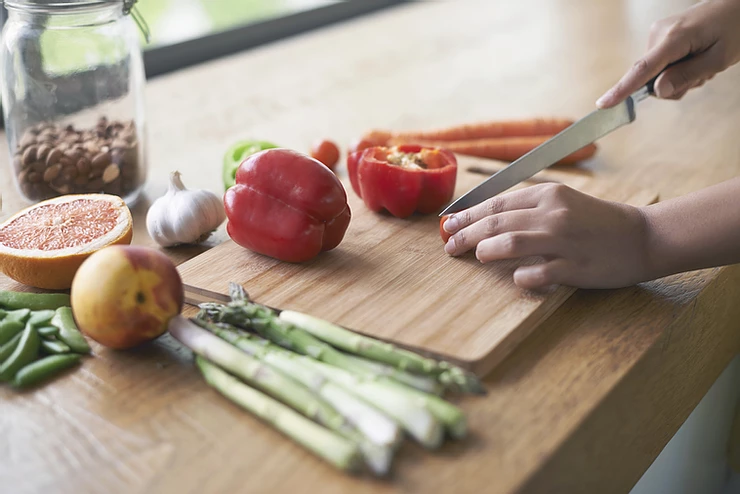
238 153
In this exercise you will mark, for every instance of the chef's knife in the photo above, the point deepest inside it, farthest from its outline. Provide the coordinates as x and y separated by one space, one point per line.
582 133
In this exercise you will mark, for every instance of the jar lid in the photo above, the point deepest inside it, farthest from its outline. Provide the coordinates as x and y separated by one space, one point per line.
128 7
60 3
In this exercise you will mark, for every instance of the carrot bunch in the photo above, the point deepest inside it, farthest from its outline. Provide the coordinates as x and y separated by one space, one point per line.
505 140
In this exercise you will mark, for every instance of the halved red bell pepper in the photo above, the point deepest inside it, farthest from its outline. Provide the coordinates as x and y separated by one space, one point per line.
403 179
286 205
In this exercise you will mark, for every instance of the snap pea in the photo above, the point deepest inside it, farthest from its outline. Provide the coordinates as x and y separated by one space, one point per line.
12 324
2 313
33 301
48 331
44 369
68 332
25 353
20 315
7 349
40 317
9 330
55 347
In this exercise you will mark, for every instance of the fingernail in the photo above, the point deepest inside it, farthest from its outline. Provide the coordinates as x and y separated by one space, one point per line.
665 90
451 224
602 101
450 246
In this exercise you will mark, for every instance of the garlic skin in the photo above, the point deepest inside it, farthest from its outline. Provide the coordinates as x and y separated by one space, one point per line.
184 216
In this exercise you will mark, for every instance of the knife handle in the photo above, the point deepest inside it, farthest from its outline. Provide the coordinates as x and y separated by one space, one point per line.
650 86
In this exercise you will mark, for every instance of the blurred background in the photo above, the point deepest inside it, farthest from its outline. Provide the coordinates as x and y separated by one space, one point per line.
187 32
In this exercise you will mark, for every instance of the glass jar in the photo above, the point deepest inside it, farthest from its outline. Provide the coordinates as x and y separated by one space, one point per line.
73 98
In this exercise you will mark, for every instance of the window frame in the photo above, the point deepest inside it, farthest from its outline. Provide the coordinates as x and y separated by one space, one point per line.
168 58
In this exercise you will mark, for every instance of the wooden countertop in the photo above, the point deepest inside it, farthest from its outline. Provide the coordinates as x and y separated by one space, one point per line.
583 405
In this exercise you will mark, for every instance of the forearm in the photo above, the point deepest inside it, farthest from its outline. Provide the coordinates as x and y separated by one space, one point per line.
695 231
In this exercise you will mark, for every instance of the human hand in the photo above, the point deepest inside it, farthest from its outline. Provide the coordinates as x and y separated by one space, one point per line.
708 32
585 242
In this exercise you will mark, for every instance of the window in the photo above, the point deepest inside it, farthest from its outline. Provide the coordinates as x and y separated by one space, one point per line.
185 32
175 21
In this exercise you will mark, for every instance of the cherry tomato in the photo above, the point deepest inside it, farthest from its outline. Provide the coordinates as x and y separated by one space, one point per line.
326 152
445 236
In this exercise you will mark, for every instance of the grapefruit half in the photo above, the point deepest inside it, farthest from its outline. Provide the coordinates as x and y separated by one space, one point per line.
44 245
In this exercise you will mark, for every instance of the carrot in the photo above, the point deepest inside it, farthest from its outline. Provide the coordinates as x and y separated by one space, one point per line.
482 130
498 148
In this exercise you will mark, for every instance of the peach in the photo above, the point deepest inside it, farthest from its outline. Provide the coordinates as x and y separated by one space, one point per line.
125 295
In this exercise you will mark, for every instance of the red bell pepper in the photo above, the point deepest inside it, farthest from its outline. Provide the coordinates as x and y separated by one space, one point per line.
403 179
286 205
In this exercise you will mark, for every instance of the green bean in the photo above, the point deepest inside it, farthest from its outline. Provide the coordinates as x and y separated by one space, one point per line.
54 347
48 331
68 332
44 369
12 324
33 301
25 353
40 317
2 313
7 349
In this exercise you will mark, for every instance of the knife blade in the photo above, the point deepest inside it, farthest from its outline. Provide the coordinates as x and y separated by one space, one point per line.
588 129
195 296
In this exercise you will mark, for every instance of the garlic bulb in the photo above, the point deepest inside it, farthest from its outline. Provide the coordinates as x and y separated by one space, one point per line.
183 216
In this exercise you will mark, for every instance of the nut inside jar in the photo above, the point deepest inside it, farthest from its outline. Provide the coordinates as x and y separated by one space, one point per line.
51 160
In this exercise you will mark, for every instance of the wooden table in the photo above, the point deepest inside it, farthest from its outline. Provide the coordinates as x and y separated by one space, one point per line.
584 405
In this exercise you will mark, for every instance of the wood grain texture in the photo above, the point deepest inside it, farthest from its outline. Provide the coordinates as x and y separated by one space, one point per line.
391 279
585 403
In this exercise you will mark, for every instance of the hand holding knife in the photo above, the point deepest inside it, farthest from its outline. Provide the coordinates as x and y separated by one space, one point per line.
583 241
585 131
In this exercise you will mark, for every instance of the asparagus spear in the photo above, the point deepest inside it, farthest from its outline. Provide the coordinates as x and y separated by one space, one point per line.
380 433
335 449
452 417
266 323
448 414
371 348
403 407
376 426
381 351
255 373
360 344
417 420
277 384
428 384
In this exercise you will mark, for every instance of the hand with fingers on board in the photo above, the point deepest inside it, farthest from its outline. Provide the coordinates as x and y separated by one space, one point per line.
584 241
588 242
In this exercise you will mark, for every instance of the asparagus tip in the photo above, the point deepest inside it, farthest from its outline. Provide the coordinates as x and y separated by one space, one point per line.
237 292
463 381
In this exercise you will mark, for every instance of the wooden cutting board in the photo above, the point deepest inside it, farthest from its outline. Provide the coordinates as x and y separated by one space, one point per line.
390 278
